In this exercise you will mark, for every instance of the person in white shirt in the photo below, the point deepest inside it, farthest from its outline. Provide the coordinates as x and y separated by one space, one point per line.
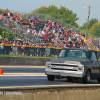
28 31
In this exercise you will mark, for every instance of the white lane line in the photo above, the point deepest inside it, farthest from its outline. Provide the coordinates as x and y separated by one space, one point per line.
4 66
46 86
21 74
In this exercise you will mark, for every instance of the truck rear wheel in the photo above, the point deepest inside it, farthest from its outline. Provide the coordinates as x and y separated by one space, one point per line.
51 77
86 79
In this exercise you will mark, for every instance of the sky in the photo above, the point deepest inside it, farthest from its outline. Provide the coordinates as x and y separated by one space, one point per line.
77 6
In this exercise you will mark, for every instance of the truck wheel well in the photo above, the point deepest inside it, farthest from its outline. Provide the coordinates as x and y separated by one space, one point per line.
89 70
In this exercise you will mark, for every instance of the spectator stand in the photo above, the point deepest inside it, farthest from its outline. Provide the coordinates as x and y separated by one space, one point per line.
52 34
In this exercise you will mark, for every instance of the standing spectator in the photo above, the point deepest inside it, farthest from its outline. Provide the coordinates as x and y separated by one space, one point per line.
1 38
28 17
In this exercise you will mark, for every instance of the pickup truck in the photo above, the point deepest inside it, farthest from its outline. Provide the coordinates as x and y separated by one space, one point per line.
74 63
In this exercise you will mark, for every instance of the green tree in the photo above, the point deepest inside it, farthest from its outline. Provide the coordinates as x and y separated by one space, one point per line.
61 13
91 22
7 34
4 10
1 30
95 29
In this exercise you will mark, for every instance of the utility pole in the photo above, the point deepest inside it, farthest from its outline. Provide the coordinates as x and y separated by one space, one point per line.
87 22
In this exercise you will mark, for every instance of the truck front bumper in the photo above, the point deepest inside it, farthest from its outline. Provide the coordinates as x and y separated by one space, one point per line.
65 73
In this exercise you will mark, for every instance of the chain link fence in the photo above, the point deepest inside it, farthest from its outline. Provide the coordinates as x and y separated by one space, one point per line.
29 51
20 31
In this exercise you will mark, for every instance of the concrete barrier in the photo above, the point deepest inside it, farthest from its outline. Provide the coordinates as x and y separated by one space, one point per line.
83 93
23 61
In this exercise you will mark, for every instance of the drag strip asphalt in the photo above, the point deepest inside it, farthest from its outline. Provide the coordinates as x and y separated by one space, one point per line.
30 76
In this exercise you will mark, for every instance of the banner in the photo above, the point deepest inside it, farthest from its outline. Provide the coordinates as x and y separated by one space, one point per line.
47 51
14 50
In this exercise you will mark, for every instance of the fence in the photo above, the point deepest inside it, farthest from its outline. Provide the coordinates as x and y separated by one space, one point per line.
30 51
16 29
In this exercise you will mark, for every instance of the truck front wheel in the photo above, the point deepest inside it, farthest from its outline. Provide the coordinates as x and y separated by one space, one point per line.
69 79
51 77
98 80
86 79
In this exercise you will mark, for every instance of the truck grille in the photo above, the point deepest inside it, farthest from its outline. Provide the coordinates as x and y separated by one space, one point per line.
64 67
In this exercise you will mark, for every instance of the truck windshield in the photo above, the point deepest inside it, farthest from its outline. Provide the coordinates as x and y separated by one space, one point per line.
77 54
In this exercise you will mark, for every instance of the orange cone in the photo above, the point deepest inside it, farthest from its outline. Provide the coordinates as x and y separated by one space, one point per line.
1 71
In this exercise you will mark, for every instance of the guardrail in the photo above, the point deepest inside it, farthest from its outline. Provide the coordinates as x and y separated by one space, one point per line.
61 92
29 50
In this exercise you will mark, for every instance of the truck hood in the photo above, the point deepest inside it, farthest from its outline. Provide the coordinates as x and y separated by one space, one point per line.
67 60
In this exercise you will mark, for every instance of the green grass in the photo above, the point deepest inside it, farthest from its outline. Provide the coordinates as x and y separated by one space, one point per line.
25 56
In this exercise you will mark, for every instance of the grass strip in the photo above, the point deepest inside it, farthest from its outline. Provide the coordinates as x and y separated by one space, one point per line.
26 56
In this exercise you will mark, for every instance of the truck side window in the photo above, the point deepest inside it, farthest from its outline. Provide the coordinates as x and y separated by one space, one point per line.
93 56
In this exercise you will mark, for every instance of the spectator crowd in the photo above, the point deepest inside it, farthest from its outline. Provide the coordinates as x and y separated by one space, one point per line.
51 35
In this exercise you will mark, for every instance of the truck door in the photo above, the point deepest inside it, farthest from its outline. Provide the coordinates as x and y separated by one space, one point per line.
95 66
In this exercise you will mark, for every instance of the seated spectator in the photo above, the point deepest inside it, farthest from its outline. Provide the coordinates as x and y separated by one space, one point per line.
6 22
31 18
28 17
84 46
1 16
89 40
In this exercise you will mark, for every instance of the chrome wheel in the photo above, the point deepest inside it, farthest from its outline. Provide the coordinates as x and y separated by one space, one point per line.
86 79
88 76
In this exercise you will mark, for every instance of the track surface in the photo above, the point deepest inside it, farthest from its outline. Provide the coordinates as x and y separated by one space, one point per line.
31 76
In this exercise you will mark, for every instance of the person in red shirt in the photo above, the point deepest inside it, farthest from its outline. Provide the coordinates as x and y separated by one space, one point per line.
66 33
50 23
45 37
